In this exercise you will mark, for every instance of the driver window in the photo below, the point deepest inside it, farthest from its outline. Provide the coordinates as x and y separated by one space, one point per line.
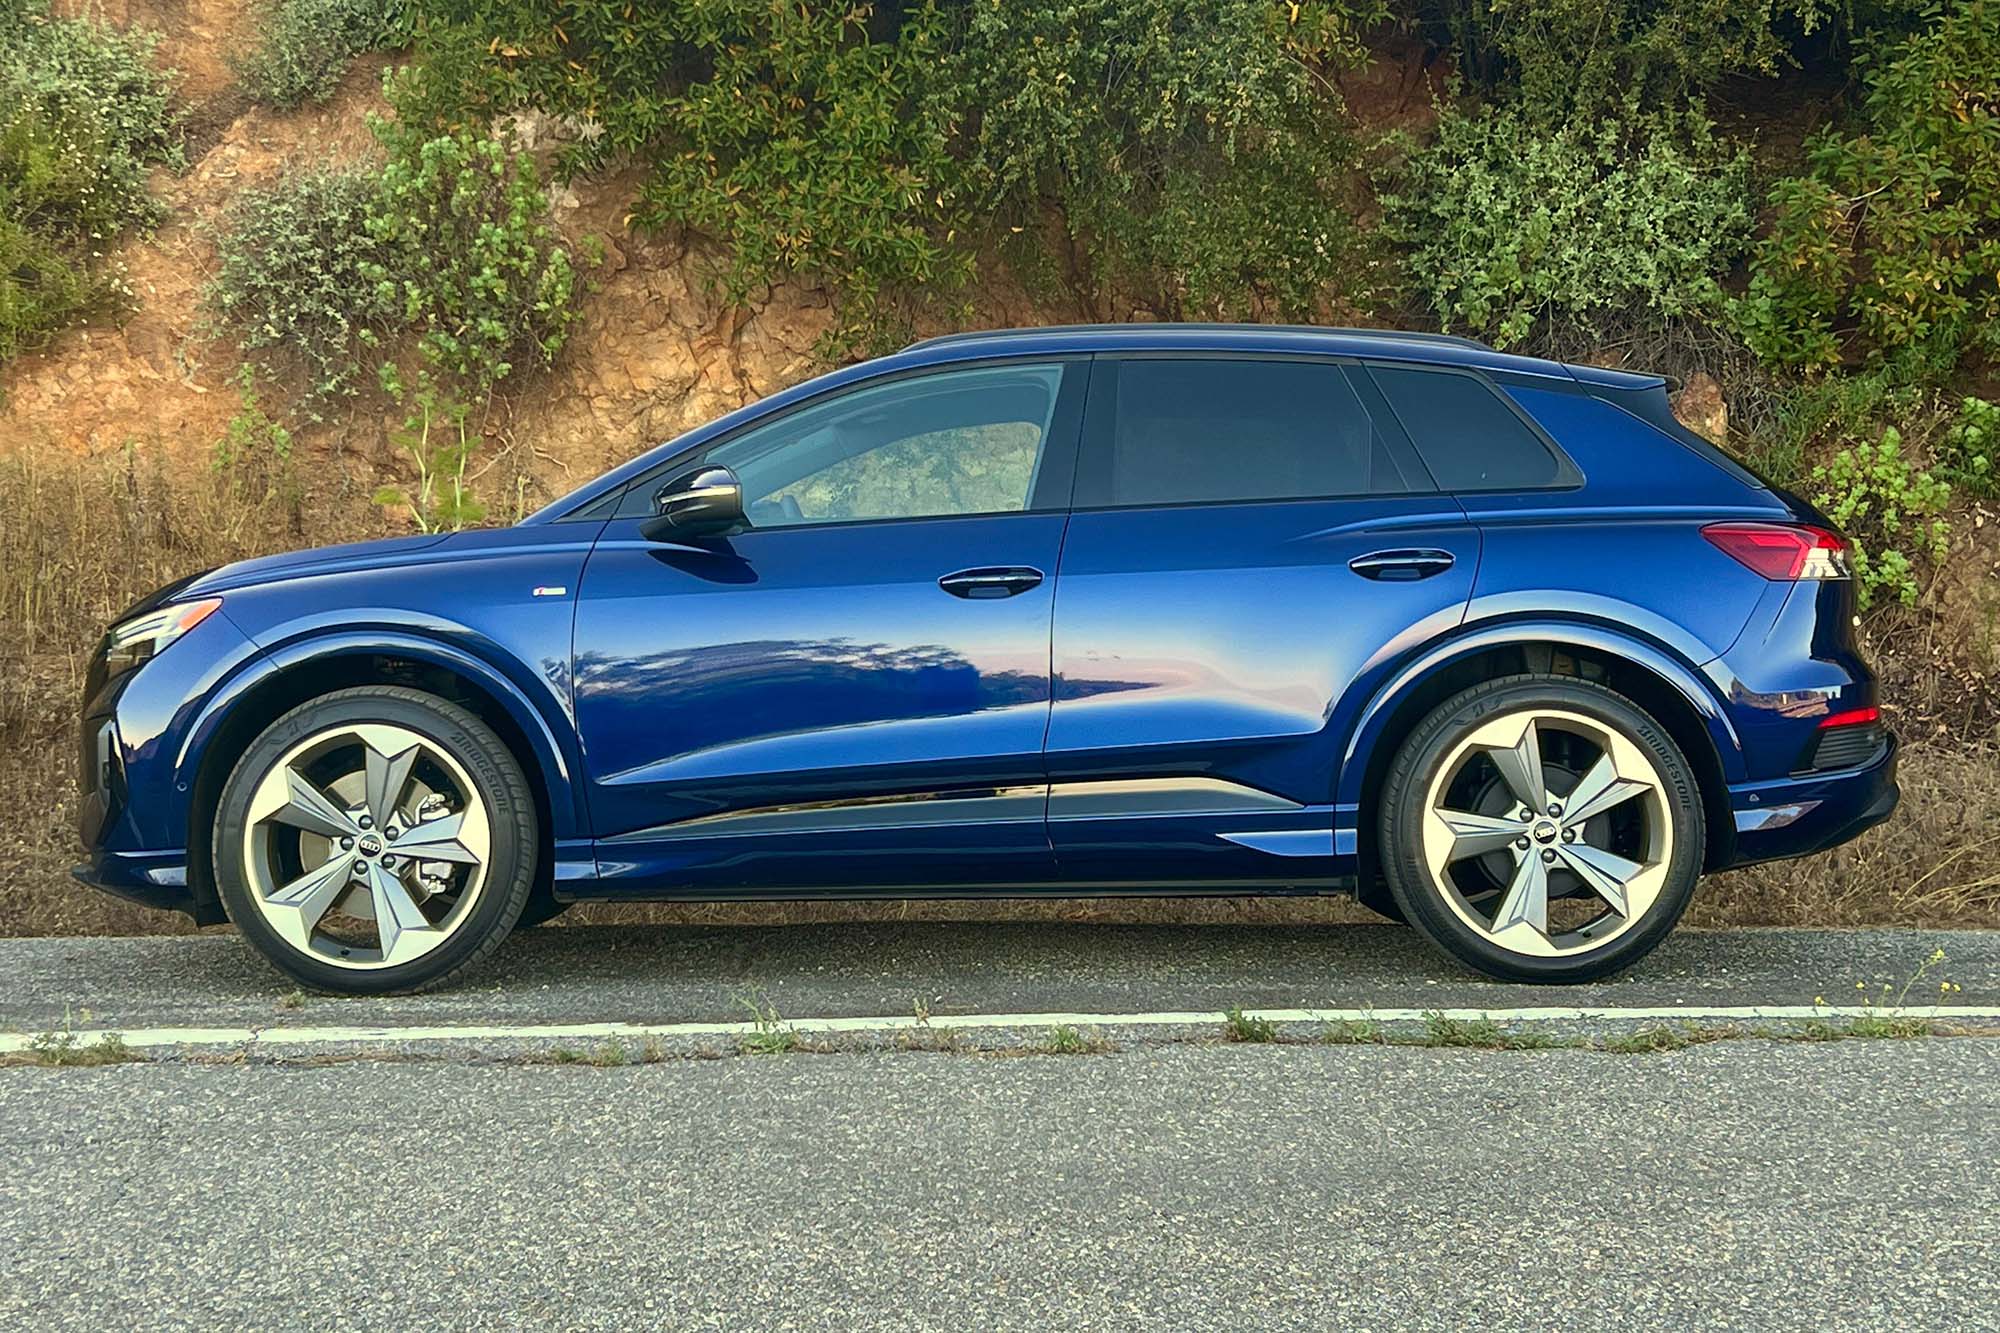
962 442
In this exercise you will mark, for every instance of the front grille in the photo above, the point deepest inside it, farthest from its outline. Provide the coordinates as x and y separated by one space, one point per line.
1845 747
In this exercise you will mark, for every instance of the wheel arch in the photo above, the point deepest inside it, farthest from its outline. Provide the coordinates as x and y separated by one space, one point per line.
1670 689
307 669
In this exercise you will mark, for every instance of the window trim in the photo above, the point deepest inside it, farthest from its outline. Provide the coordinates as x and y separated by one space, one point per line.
1053 483
1100 427
1569 477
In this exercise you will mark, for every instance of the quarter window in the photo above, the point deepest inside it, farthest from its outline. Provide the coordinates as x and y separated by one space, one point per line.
1227 429
961 442
1468 436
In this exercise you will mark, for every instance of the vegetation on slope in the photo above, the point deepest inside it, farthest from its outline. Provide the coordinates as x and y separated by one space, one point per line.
1795 203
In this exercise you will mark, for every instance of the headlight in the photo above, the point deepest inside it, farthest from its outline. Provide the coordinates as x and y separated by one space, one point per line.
136 641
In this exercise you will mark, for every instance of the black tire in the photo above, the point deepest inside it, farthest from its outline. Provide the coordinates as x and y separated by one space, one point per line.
495 772
1403 808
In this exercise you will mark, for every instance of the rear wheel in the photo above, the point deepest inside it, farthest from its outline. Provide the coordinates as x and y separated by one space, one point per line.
376 840
1542 828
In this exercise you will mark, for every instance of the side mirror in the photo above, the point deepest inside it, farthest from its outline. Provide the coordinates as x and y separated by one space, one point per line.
701 503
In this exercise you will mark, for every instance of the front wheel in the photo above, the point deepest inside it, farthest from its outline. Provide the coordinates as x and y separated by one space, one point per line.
375 840
1542 828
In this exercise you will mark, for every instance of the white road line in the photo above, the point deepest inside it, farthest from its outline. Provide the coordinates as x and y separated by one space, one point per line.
347 1035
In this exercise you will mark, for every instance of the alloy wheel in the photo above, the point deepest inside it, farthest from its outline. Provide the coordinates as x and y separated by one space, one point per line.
1547 832
366 845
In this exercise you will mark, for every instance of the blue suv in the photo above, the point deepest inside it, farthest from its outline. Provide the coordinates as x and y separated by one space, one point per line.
1491 642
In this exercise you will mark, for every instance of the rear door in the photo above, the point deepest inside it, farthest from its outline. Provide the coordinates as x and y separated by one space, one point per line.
1248 550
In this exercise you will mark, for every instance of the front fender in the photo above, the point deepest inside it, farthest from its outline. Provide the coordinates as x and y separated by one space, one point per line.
538 706
1615 641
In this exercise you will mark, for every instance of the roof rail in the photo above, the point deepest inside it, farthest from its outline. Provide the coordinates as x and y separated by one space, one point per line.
1386 335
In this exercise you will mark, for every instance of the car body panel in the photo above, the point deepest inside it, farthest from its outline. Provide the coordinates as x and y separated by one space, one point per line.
1221 642
812 665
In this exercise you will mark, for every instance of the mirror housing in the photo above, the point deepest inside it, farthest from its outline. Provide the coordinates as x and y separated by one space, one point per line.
701 503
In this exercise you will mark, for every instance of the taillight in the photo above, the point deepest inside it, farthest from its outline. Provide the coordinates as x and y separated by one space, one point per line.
1782 551
1853 717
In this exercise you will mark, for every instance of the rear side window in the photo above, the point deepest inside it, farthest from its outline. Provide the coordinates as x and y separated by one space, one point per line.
1190 431
1470 438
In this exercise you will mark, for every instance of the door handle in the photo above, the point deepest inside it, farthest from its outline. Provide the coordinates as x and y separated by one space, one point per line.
992 581
1402 566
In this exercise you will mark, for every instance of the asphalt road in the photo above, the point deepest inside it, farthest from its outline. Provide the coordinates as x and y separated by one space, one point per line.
673 974
1742 1185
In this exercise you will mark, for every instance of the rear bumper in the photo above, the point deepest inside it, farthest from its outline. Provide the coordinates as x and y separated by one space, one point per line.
1801 815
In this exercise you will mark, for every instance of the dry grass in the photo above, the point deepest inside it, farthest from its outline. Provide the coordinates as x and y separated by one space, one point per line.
86 537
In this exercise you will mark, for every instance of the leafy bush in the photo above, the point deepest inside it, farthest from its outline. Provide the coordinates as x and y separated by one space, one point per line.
1894 233
298 279
1510 224
307 45
1559 58
82 113
1968 452
42 287
466 257
469 265
1191 153
791 132
448 241
1892 513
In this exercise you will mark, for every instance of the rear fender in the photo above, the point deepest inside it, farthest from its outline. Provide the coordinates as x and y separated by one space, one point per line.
1686 680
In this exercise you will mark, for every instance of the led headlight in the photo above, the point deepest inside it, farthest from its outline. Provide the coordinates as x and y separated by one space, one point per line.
136 641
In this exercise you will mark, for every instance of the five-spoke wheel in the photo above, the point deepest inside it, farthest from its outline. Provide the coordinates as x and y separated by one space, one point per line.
375 840
1541 828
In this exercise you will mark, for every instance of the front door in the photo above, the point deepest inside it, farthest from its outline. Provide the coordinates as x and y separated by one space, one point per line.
1248 549
852 691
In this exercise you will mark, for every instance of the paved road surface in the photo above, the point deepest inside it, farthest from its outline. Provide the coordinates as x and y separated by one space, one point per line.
1179 1184
664 975
1741 1185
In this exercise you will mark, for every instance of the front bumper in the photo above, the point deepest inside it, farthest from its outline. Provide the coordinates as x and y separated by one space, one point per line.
1799 816
150 879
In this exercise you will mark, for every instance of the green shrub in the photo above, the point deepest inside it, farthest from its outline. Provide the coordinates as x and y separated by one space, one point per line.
1892 513
42 288
466 258
82 114
78 71
447 242
1193 156
1894 233
1187 154
305 46
469 267
299 277
1510 224
1968 452
1562 58
795 134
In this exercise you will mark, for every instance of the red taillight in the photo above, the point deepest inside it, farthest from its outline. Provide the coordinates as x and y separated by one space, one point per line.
1782 551
1853 717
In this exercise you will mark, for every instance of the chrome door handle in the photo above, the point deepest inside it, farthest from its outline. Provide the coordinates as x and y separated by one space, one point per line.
992 581
1402 566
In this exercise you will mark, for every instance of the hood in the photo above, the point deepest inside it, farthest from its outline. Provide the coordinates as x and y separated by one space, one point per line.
300 564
